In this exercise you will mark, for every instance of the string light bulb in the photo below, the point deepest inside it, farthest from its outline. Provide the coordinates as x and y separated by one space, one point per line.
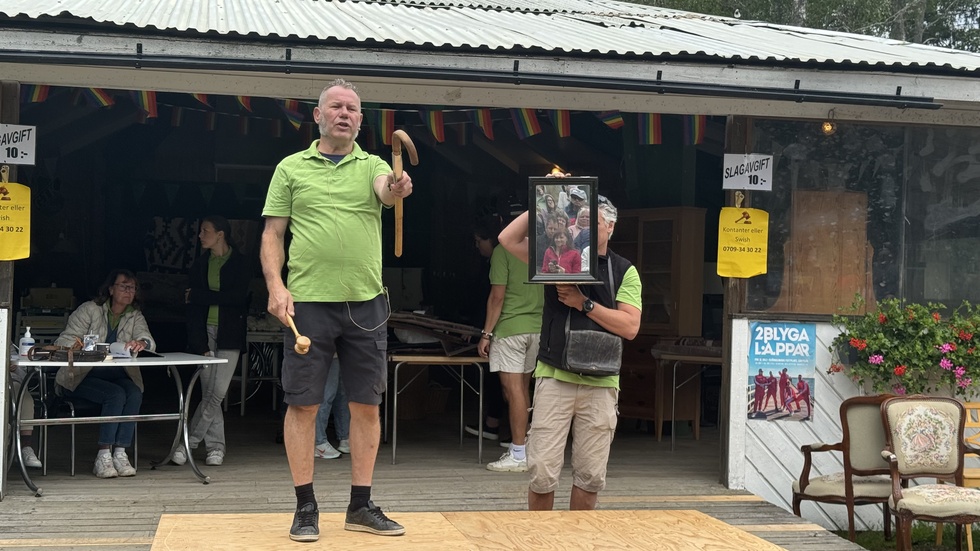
829 126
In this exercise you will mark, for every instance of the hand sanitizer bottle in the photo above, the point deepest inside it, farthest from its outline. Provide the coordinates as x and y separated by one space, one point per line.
26 343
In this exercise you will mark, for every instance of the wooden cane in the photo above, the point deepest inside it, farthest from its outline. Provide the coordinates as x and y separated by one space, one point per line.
398 139
302 345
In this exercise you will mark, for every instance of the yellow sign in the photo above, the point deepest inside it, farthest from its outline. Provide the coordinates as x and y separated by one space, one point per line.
15 221
743 242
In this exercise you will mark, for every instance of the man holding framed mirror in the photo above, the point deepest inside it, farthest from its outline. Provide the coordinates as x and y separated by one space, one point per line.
597 315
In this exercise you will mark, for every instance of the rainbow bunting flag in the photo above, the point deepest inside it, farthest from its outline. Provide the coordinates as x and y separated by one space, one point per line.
98 97
210 120
203 98
243 126
291 108
650 129
35 93
484 119
694 126
613 119
147 101
176 116
562 121
434 120
525 122
245 102
386 125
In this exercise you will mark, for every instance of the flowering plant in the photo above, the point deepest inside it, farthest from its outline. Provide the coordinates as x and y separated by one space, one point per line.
909 348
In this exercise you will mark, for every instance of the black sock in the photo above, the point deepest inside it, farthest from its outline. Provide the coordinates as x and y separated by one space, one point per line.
359 497
304 495
25 440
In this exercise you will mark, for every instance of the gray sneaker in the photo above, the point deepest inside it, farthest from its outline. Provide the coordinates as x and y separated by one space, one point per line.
370 519
306 523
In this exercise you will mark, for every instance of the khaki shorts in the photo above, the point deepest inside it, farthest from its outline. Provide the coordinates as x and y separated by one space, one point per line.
514 354
590 412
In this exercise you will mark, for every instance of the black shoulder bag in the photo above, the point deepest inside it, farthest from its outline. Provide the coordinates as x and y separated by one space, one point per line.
590 352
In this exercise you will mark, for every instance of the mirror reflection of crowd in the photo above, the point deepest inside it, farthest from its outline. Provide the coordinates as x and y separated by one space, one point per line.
563 234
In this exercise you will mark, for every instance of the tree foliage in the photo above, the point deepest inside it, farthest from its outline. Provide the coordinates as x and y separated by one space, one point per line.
946 23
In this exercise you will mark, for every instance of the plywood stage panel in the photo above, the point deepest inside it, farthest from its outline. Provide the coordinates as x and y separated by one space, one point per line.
476 531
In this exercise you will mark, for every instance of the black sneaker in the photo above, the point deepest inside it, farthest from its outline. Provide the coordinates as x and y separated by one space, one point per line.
306 524
488 433
371 519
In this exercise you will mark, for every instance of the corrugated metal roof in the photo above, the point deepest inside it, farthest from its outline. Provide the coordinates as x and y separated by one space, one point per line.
601 28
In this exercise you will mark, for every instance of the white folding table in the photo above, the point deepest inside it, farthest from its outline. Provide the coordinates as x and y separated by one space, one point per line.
168 360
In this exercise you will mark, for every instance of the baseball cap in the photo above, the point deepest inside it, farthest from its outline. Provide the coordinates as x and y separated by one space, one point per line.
576 192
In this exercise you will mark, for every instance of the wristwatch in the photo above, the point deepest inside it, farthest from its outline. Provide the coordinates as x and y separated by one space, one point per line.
588 305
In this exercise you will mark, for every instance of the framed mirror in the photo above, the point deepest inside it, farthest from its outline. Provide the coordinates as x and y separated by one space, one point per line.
561 230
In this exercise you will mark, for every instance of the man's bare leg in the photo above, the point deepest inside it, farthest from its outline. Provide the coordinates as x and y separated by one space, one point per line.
299 433
365 434
582 500
515 386
540 502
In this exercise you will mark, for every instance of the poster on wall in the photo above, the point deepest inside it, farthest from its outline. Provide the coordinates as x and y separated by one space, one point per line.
782 367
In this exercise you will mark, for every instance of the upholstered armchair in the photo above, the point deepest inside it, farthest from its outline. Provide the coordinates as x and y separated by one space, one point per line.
925 440
864 478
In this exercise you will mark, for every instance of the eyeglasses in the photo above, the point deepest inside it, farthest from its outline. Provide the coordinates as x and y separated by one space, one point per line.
126 288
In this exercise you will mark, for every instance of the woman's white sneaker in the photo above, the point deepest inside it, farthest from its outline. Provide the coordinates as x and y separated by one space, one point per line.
120 461
103 466
325 451
180 455
29 458
215 458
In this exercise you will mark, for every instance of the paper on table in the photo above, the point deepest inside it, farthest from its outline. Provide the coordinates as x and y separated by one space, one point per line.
119 350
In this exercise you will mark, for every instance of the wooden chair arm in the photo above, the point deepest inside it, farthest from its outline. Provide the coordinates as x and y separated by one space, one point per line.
809 449
897 483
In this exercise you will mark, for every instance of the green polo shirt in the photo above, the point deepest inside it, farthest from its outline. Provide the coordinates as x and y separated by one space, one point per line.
523 303
215 263
335 221
630 292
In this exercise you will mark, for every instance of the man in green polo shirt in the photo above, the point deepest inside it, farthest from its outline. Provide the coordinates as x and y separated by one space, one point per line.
329 197
510 340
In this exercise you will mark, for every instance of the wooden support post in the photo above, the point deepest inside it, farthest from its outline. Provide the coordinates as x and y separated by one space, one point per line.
737 140
9 114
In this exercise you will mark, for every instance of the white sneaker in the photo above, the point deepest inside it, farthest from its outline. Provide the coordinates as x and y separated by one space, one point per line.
122 465
29 458
325 451
507 464
104 467
180 455
215 458
344 446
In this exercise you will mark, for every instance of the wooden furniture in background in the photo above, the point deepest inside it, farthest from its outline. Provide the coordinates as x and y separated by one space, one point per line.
827 257
864 479
667 247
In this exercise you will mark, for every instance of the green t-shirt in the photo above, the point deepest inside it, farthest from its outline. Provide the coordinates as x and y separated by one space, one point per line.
335 219
523 303
630 292
215 263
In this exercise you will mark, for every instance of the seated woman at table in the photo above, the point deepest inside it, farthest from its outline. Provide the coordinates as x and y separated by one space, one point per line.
114 316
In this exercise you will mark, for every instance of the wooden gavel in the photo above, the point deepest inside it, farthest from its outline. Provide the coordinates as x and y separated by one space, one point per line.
398 139
302 345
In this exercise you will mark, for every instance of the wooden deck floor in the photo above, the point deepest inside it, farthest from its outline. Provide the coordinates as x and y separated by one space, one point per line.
433 474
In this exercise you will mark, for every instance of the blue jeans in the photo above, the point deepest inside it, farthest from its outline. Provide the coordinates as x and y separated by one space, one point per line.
335 402
111 388
208 422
